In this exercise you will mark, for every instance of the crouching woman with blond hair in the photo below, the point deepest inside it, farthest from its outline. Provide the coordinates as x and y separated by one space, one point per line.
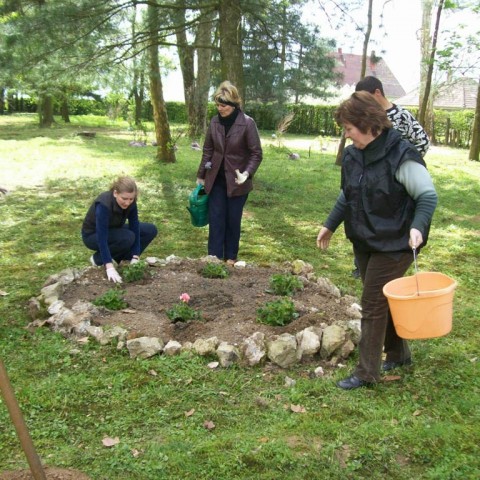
112 229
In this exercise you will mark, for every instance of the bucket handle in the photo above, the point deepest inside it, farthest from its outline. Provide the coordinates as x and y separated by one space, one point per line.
414 249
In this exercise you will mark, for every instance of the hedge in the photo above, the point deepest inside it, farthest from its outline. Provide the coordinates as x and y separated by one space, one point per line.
451 127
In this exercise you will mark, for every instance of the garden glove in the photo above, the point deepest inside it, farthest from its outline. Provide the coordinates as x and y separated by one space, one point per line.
134 259
241 177
113 275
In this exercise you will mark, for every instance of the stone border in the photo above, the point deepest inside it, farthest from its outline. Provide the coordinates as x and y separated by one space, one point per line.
334 342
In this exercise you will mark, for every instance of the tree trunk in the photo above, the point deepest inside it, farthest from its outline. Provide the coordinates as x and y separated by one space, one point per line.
64 110
231 55
422 113
138 94
185 54
2 101
45 111
475 145
138 87
366 40
343 140
165 148
198 121
425 42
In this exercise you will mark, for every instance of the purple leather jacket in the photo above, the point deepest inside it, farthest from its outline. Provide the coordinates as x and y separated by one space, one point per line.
240 149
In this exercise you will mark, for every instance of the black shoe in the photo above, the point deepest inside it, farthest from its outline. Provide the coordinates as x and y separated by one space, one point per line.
389 365
353 382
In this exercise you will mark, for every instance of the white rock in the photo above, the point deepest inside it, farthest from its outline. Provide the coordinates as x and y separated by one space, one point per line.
205 346
144 347
172 348
55 307
240 264
319 372
227 354
309 341
334 336
290 382
282 350
253 349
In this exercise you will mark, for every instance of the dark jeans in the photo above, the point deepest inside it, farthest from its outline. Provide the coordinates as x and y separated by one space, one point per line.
378 331
225 218
120 241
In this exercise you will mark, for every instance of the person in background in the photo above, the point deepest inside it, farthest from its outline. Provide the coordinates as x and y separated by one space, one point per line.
105 228
232 153
386 203
401 119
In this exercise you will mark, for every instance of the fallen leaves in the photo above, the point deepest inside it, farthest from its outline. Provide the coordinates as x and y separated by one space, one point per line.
208 424
391 378
190 413
297 408
110 442
3 293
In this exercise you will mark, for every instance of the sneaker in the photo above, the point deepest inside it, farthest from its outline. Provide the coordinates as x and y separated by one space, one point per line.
352 382
92 261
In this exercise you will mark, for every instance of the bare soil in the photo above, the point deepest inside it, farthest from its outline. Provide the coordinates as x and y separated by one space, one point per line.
228 306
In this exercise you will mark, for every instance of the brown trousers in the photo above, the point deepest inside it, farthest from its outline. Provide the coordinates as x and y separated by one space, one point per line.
378 332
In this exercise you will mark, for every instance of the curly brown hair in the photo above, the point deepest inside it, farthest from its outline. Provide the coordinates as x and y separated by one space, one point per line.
363 111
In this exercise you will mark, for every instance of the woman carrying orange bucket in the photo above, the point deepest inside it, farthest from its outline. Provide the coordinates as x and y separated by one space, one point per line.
386 203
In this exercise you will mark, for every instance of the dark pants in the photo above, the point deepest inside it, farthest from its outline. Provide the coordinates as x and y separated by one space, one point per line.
225 218
378 331
121 241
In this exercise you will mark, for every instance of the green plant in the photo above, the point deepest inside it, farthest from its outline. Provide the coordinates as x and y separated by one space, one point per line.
134 271
277 313
285 284
182 312
111 299
214 270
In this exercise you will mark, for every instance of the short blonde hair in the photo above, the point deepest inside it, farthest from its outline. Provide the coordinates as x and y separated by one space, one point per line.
124 184
228 94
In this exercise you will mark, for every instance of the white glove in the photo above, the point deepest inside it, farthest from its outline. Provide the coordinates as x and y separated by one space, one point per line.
134 260
241 177
113 275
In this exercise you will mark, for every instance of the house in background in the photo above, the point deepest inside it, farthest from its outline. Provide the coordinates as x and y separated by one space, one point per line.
460 93
348 67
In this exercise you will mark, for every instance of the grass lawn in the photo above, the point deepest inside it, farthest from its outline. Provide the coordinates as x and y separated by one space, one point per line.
424 426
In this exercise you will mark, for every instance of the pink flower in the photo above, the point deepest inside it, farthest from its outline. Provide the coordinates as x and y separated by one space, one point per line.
185 297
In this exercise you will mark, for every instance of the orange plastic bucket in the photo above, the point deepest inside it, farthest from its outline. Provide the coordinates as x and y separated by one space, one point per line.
421 305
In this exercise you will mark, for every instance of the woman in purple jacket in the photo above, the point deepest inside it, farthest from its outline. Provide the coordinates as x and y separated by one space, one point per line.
105 229
231 155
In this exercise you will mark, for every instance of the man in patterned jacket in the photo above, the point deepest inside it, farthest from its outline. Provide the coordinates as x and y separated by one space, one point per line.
402 119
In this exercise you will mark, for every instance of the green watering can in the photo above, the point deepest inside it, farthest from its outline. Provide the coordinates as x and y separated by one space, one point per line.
198 206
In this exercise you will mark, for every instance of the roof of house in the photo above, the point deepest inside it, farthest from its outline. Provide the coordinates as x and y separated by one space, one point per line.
349 66
458 93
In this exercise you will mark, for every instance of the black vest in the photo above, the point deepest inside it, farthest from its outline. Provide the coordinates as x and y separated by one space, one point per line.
379 210
117 215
